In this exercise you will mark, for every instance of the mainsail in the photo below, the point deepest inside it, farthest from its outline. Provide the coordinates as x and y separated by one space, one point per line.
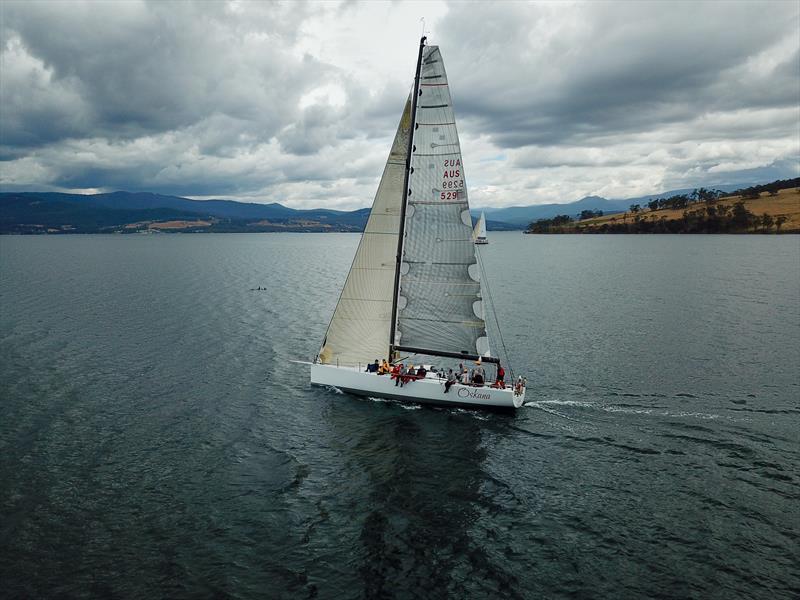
439 303
419 271
361 323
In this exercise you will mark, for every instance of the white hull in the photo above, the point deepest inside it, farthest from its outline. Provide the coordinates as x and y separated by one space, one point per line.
427 391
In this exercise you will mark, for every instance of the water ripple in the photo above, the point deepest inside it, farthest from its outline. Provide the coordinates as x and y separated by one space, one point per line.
156 442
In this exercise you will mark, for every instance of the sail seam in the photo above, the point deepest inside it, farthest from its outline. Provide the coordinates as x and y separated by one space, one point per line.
468 323
441 282
438 154
425 262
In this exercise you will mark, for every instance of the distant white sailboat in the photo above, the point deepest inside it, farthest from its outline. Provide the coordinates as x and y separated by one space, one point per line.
414 286
479 233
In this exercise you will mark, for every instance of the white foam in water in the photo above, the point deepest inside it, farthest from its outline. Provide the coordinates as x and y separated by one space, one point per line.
632 410
481 416
660 413
628 410
409 406
540 406
405 405
582 404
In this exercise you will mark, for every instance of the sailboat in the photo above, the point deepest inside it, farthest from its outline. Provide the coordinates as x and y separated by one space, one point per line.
479 233
413 293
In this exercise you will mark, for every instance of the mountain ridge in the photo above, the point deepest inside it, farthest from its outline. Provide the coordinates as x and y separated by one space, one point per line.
122 211
522 216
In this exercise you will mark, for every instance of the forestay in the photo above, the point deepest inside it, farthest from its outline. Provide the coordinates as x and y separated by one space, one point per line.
439 304
361 323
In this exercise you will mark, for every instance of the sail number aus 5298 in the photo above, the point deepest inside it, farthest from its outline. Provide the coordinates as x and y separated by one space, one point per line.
451 179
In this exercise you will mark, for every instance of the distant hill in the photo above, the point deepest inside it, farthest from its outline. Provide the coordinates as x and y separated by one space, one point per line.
28 213
519 217
492 225
50 212
775 210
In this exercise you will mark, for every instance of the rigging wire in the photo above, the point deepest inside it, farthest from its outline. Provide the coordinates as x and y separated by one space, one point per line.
488 288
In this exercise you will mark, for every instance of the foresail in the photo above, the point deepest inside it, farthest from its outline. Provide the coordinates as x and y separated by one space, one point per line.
439 307
361 323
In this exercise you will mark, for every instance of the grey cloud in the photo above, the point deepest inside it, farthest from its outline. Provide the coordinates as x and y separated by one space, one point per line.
613 66
138 69
204 99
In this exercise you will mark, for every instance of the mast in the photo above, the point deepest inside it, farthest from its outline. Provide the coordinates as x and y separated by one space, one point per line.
393 323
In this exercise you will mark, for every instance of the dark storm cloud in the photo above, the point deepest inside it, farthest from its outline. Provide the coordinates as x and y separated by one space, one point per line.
122 70
167 96
544 77
278 102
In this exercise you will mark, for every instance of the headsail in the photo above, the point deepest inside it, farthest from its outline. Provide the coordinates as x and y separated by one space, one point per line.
361 323
439 304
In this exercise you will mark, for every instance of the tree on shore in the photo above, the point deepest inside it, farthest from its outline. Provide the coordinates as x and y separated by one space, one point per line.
547 225
590 214
700 213
774 186
741 218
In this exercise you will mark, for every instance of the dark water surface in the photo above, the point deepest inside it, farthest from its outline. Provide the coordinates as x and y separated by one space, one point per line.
156 442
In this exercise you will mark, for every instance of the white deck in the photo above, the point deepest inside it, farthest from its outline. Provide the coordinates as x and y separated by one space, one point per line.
428 391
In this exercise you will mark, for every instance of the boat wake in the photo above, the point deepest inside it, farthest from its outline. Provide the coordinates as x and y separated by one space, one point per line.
632 409
540 406
405 405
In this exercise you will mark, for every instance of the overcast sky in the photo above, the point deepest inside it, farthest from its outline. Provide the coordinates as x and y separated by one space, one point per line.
298 103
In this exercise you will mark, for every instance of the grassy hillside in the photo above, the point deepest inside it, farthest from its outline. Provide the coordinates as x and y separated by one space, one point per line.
782 210
125 212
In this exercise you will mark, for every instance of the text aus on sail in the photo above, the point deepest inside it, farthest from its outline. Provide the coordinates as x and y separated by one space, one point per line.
452 180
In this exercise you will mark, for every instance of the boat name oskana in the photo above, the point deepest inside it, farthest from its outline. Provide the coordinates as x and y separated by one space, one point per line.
465 393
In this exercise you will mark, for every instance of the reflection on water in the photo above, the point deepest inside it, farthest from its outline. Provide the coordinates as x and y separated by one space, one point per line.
423 489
